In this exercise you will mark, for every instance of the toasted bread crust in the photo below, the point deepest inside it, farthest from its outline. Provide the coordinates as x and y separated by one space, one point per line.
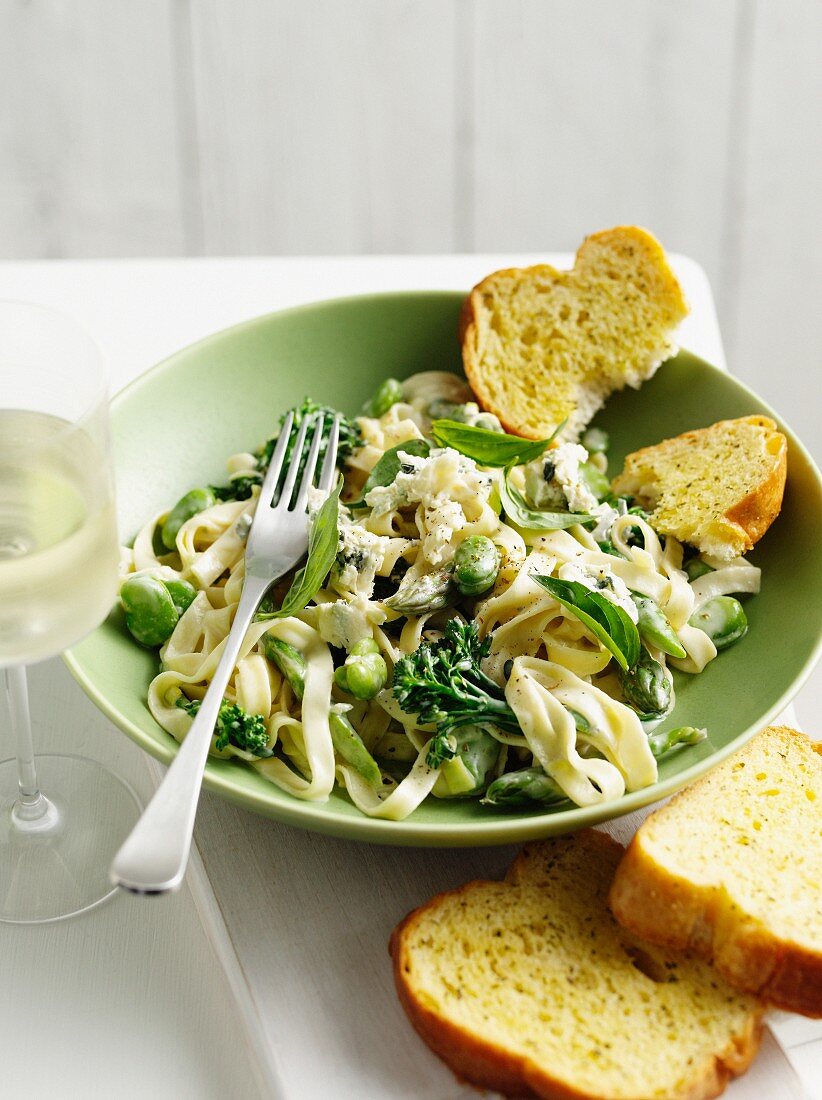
489 1066
669 909
626 237
754 513
468 336
471 1058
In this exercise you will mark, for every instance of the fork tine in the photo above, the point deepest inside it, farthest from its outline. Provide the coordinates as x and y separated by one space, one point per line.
276 465
294 465
310 465
330 461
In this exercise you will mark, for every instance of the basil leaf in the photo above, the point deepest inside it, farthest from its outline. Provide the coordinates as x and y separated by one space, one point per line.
388 466
517 510
323 540
486 447
609 624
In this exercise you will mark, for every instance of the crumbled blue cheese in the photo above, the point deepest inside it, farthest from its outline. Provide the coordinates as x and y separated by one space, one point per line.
422 479
438 483
553 482
605 519
346 622
443 519
360 556
601 579
567 459
402 490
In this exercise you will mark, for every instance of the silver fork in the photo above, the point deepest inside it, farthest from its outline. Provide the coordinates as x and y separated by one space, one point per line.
154 856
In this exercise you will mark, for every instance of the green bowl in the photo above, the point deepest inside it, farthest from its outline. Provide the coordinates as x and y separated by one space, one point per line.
175 426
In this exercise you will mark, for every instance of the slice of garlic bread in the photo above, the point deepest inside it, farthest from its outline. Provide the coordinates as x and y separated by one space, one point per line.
732 868
530 987
718 488
540 346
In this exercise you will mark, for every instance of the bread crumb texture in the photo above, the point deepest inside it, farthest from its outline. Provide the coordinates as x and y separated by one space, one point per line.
732 867
718 488
541 346
531 984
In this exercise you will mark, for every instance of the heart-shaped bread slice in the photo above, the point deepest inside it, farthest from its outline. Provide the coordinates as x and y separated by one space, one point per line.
540 346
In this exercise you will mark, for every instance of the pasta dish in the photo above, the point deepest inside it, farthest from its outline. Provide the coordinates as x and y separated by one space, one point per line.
491 622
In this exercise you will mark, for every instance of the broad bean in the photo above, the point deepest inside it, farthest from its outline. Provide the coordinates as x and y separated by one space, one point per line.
150 612
197 500
723 619
476 565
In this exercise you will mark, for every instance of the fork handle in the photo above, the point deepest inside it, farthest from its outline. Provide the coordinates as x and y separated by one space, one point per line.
154 856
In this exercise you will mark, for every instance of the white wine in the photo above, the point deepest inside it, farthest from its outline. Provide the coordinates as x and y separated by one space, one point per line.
58 535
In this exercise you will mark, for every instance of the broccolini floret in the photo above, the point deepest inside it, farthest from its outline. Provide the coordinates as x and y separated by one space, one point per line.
235 726
350 436
241 488
443 685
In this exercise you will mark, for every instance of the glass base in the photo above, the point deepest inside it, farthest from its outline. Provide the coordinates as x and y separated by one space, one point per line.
56 866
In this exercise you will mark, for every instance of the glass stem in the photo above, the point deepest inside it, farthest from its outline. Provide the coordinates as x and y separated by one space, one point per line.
30 804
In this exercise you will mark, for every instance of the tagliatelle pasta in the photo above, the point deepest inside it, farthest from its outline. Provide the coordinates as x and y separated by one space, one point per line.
510 642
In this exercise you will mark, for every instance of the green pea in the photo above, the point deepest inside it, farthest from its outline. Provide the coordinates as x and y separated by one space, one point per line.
596 441
596 481
723 619
476 565
150 612
182 593
388 394
366 674
197 500
696 567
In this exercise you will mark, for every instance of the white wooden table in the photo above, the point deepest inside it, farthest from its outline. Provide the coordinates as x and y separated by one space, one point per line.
268 974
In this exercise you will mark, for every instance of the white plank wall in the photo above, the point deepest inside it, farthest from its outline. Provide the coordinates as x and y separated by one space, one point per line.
319 127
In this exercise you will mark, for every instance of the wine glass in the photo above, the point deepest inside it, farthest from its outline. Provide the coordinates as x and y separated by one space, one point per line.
58 579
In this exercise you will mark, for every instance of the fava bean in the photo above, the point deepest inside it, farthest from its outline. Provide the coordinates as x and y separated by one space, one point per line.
476 565
723 619
150 612
197 500
182 593
388 394
365 672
